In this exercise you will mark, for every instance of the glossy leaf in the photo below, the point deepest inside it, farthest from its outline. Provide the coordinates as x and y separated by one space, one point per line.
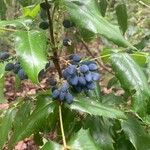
136 133
85 104
32 124
82 140
100 130
93 21
132 79
31 49
6 125
121 12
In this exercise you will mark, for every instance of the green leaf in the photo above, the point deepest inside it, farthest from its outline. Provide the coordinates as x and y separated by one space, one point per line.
31 49
136 133
6 125
18 23
121 12
31 12
140 57
85 104
132 79
100 130
82 141
32 124
93 21
50 145
22 114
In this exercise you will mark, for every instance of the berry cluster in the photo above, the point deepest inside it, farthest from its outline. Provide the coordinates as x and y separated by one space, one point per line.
63 94
80 76
16 68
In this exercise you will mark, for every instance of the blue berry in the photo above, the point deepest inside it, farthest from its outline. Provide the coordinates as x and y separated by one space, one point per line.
73 80
64 87
67 42
55 93
84 68
52 82
45 6
22 74
62 96
71 69
69 98
95 76
88 76
9 67
16 67
4 55
76 58
81 80
67 23
44 25
91 86
65 74
92 67
88 62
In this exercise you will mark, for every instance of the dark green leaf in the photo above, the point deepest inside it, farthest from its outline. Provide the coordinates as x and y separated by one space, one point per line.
32 124
132 79
112 100
31 49
85 104
122 17
82 141
100 131
22 114
6 125
136 133
93 21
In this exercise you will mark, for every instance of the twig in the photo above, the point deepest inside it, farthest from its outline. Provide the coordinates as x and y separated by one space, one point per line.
54 49
104 67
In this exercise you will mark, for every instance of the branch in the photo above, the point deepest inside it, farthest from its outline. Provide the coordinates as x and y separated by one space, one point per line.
54 49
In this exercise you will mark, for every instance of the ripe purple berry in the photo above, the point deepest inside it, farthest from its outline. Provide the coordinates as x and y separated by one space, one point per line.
84 68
